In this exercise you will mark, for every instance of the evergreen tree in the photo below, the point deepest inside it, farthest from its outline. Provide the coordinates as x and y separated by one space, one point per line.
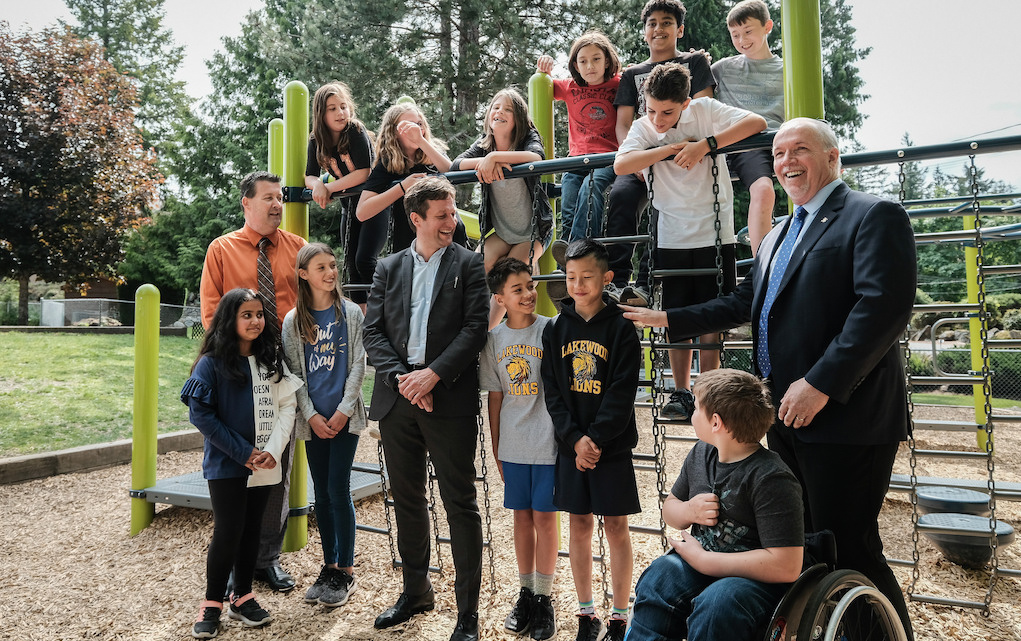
135 41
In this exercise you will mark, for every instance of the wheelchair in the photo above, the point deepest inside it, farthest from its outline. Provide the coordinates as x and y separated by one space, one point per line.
833 605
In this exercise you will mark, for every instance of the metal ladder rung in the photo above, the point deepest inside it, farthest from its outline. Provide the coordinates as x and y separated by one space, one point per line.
951 454
938 600
680 437
645 529
955 379
1006 418
642 456
948 426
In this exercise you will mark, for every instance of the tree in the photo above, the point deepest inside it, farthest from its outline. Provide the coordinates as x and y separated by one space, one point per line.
135 41
74 176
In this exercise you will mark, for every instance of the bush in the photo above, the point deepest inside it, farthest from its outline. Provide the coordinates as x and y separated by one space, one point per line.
1006 368
1012 319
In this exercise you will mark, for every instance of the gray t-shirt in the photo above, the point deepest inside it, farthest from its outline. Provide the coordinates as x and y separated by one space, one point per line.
510 363
754 85
512 211
760 500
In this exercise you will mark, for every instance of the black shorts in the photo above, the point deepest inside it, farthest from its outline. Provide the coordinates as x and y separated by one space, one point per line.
608 490
749 166
681 291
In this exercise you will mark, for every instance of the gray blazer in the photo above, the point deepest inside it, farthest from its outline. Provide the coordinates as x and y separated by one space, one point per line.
294 356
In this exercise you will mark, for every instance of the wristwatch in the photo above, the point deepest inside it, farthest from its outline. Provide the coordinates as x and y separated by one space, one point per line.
712 143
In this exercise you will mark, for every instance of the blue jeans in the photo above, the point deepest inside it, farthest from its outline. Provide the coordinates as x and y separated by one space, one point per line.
576 186
330 462
673 601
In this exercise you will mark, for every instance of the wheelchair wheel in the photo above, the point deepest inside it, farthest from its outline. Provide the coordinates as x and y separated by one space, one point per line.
846 606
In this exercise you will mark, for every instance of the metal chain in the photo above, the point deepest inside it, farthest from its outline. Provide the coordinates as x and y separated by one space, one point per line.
717 225
912 458
384 483
658 431
347 211
430 472
535 224
986 383
589 232
485 499
602 560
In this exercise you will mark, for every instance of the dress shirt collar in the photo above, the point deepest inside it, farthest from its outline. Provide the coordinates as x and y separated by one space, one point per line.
419 258
816 202
254 237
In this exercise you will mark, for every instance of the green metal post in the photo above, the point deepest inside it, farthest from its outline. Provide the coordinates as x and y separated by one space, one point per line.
143 431
540 108
295 146
275 162
974 332
802 59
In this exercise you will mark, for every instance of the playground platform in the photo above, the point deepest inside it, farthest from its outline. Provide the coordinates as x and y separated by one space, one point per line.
191 490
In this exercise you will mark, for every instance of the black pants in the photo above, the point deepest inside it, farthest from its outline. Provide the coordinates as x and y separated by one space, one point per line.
628 198
359 257
843 487
237 522
408 433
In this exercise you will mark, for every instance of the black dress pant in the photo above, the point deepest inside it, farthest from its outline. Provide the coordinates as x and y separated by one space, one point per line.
408 434
843 487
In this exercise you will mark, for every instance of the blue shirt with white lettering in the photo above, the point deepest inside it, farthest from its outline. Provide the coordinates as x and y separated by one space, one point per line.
326 361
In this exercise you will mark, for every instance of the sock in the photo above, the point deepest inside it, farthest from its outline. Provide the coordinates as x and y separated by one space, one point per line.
619 613
527 581
587 609
543 583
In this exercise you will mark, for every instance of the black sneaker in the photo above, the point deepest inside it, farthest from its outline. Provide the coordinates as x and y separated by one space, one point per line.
312 594
338 588
557 289
518 619
249 613
542 624
635 296
615 630
208 626
613 291
590 628
680 406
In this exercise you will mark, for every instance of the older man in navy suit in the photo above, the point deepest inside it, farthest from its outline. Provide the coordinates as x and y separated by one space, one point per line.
829 295
425 325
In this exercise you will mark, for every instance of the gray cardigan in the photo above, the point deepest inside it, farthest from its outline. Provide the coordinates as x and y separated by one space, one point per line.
294 356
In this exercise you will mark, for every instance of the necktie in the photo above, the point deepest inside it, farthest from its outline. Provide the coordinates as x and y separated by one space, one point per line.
783 257
266 290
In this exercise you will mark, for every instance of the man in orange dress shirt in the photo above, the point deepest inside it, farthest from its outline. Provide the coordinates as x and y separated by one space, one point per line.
231 261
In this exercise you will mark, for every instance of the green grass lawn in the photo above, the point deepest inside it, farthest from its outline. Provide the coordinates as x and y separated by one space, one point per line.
66 390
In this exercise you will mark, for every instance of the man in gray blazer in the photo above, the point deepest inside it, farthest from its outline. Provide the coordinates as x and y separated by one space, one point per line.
425 324
829 296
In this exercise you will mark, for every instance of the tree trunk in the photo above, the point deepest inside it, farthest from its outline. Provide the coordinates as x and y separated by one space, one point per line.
23 300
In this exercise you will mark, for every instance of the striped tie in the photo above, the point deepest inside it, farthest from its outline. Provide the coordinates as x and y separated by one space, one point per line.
783 256
266 290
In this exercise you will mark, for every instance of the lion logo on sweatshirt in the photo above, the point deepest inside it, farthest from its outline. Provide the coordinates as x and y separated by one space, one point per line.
583 364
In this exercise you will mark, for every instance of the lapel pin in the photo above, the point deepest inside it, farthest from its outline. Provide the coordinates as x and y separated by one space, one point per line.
825 219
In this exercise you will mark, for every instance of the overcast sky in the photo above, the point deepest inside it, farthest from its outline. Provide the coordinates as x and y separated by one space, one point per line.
936 71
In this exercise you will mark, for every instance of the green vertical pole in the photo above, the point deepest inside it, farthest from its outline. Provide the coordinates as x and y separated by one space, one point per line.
275 162
295 146
974 332
143 430
802 59
540 108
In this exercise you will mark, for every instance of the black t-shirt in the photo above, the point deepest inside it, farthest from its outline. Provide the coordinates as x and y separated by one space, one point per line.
380 179
632 81
359 149
760 500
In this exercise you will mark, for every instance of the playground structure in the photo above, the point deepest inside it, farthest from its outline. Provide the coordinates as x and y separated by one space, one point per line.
804 98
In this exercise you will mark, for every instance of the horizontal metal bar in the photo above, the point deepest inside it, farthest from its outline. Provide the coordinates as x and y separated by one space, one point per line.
955 236
960 199
642 456
945 307
680 437
1004 343
615 240
997 270
1004 491
951 454
432 568
371 528
928 152
545 278
357 287
956 379
946 426
1005 418
645 529
646 468
694 271
900 562
938 600
941 529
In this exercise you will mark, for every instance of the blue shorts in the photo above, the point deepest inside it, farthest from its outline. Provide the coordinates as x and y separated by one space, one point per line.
528 487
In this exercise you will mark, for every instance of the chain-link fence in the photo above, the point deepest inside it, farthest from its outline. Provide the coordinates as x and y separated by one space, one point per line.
97 312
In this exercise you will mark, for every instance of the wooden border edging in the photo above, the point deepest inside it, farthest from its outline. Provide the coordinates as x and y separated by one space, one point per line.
88 457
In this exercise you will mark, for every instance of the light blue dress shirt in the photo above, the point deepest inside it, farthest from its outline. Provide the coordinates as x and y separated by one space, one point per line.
423 278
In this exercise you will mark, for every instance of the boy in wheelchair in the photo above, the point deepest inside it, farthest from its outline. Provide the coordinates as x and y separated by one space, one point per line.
743 504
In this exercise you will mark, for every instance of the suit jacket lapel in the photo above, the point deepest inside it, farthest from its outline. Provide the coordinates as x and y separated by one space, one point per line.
407 270
446 260
822 221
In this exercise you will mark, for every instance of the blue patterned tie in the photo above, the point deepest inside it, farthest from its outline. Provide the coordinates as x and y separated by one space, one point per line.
783 256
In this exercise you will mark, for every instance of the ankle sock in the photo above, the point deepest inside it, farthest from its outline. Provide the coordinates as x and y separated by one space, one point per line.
527 581
543 584
619 613
587 609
